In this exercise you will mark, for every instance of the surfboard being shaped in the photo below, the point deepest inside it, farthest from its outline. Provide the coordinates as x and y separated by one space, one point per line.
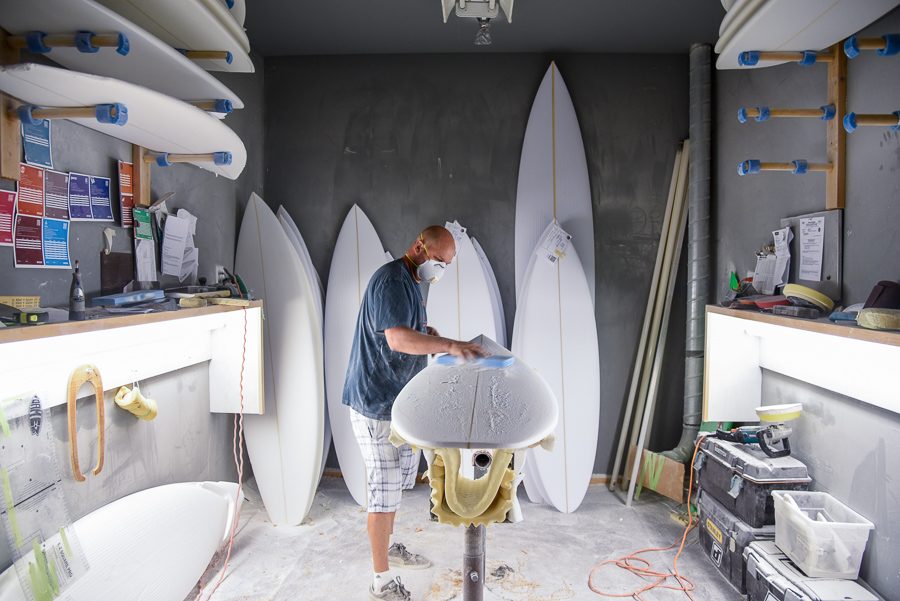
149 62
496 299
796 25
285 442
553 179
293 234
151 545
555 331
358 253
155 121
186 25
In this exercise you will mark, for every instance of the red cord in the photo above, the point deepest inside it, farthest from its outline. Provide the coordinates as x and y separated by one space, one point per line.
624 562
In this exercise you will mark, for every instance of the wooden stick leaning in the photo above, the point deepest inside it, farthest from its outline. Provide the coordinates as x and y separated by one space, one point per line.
648 317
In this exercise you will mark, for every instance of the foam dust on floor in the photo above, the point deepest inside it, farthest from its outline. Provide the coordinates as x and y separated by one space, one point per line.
502 582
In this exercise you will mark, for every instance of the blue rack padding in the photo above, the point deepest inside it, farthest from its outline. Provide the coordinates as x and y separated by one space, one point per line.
749 166
223 105
492 361
34 41
222 158
892 45
800 167
830 112
83 42
162 159
851 47
749 58
25 116
809 58
763 113
229 4
850 122
114 114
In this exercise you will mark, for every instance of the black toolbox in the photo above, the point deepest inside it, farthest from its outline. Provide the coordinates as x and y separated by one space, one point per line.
771 576
724 538
742 477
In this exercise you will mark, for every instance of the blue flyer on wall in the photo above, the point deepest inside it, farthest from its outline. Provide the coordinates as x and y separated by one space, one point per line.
36 139
101 205
56 243
79 197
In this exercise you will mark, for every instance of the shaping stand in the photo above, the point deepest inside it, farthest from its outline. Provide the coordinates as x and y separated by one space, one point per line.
473 564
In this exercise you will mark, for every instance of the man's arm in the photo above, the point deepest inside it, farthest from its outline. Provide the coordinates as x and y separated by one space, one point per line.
414 342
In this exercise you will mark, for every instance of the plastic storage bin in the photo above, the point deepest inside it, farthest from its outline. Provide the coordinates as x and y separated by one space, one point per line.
824 537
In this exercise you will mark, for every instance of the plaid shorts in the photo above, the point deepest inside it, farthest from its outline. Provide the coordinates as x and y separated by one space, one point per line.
389 469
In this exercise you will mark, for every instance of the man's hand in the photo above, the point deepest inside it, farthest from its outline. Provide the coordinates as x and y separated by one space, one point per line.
414 342
467 350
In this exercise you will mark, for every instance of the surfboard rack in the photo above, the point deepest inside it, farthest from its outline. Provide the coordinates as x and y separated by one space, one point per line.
199 55
165 159
87 42
833 113
854 120
221 105
886 45
116 114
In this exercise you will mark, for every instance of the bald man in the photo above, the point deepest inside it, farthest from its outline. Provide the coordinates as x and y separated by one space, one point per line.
390 346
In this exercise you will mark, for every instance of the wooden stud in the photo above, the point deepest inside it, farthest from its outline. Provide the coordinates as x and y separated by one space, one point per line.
835 187
140 177
150 158
817 113
10 131
207 54
65 41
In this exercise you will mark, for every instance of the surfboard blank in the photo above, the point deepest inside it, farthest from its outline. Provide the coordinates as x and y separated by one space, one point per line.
285 442
229 19
150 62
496 299
155 121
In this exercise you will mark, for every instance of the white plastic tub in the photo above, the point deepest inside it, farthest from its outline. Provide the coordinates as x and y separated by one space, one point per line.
824 537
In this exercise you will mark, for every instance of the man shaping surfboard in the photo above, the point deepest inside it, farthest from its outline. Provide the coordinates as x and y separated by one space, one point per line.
390 346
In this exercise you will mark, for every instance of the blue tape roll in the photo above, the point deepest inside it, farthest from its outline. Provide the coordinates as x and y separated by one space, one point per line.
763 113
162 159
25 116
182 50
742 115
809 58
223 105
229 4
83 42
851 47
850 122
830 112
749 166
222 158
34 41
800 167
892 45
229 58
896 127
124 45
749 58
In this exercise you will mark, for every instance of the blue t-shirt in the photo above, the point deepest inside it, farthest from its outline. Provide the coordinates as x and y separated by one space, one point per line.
376 374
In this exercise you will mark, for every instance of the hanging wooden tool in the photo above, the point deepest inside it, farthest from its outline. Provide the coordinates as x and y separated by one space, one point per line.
82 374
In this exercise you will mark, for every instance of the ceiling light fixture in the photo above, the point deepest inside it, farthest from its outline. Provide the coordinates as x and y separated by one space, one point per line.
483 11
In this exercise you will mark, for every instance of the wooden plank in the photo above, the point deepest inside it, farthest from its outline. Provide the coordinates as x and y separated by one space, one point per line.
835 187
10 133
140 177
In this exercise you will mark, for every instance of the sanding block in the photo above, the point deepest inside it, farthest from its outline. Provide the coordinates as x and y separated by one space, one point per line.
492 361
879 319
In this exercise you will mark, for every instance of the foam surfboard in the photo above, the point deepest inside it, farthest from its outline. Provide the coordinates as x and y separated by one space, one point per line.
228 18
285 442
293 234
150 62
155 121
459 306
734 19
186 25
153 544
358 253
555 332
496 299
553 178
797 25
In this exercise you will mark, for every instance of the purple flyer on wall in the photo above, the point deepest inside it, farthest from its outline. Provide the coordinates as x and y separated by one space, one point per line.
79 197
101 205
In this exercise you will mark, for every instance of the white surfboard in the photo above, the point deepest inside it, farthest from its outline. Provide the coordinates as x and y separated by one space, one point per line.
150 62
734 19
459 306
238 10
553 178
227 18
496 299
315 284
797 25
187 25
285 442
155 121
556 333
357 255
151 545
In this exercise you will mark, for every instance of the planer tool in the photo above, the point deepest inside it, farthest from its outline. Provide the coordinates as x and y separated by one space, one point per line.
770 437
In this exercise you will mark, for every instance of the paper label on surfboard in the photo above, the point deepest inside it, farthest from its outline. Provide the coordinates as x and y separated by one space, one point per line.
552 247
457 231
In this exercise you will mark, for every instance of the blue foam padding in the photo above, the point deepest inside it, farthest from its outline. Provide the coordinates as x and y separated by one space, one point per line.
104 114
800 167
742 115
223 105
841 316
809 58
34 41
749 166
162 159
763 113
181 50
229 58
229 4
892 45
830 112
83 42
896 127
25 116
749 58
222 158
124 45
851 47
492 361
850 122
126 298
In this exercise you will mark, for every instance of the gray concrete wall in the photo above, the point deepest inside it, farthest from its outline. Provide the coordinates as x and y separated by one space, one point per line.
847 444
421 139
185 442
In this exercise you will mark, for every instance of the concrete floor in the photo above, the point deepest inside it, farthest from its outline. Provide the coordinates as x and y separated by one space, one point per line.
546 557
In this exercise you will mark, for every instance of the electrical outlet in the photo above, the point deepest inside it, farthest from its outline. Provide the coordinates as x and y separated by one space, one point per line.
220 274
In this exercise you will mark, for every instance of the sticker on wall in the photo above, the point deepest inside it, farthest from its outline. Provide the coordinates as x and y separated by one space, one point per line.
28 249
126 194
101 205
55 239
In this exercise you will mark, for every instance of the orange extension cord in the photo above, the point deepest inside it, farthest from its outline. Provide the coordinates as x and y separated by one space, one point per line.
237 445
624 562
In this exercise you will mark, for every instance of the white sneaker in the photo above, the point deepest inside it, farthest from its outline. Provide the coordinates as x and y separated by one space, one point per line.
392 591
399 555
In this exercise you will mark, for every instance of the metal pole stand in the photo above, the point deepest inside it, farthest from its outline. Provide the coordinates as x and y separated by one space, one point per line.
473 564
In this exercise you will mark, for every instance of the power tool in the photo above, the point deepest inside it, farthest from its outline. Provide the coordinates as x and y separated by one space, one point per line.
770 437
